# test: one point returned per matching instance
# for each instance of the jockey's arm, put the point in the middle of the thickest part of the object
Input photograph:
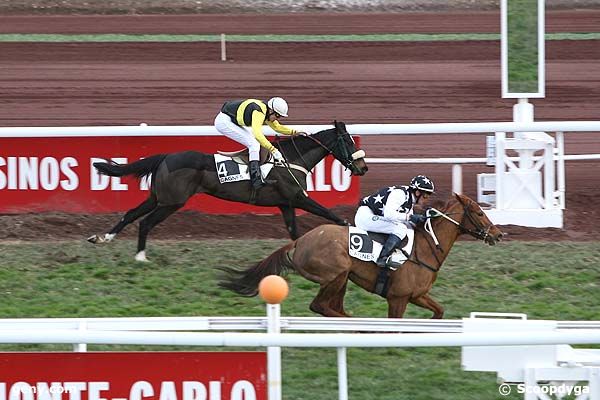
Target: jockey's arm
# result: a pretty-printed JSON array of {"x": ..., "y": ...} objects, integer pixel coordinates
[
  {"x": 391, "y": 210},
  {"x": 257, "y": 123},
  {"x": 277, "y": 127}
]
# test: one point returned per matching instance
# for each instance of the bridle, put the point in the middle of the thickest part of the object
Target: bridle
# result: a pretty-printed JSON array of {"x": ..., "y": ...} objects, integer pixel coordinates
[
  {"x": 479, "y": 232},
  {"x": 346, "y": 159}
]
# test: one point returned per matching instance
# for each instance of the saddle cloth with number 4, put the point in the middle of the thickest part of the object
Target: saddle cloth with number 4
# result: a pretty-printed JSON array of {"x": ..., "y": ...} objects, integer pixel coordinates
[
  {"x": 366, "y": 246},
  {"x": 229, "y": 169}
]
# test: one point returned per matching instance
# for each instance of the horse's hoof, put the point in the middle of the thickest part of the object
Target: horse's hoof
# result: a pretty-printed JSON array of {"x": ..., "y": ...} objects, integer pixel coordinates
[
  {"x": 141, "y": 257},
  {"x": 95, "y": 239}
]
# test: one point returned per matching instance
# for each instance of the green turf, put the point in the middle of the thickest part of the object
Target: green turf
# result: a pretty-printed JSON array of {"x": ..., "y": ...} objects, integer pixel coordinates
[
  {"x": 400, "y": 37},
  {"x": 68, "y": 279}
]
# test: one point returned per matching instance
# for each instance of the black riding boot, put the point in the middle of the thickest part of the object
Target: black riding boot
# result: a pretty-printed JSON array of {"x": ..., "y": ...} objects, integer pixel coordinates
[
  {"x": 389, "y": 246},
  {"x": 256, "y": 177}
]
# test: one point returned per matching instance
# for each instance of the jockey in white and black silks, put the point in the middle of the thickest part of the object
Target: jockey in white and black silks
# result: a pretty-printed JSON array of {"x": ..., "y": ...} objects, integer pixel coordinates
[
  {"x": 242, "y": 121},
  {"x": 390, "y": 210}
]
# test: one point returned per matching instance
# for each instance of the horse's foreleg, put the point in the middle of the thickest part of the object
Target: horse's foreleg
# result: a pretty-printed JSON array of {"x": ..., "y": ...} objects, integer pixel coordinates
[
  {"x": 397, "y": 306},
  {"x": 308, "y": 204},
  {"x": 429, "y": 303},
  {"x": 154, "y": 218},
  {"x": 289, "y": 217},
  {"x": 144, "y": 208}
]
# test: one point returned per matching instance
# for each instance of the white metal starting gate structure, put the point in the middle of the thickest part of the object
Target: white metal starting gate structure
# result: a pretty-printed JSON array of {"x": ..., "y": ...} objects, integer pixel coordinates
[
  {"x": 530, "y": 191},
  {"x": 534, "y": 356}
]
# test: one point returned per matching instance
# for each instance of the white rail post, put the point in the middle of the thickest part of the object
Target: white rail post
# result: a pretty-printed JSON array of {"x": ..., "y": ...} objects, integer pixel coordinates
[
  {"x": 81, "y": 347},
  {"x": 223, "y": 48},
  {"x": 499, "y": 169},
  {"x": 549, "y": 176},
  {"x": 342, "y": 373},
  {"x": 560, "y": 168},
  {"x": 274, "y": 353},
  {"x": 457, "y": 178}
]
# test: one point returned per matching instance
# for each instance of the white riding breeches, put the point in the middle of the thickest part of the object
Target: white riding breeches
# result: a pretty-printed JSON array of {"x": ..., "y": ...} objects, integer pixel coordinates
[
  {"x": 225, "y": 125},
  {"x": 366, "y": 220}
]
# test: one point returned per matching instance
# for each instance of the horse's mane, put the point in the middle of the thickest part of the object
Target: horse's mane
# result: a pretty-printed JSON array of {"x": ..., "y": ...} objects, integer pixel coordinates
[
  {"x": 303, "y": 143},
  {"x": 440, "y": 200}
]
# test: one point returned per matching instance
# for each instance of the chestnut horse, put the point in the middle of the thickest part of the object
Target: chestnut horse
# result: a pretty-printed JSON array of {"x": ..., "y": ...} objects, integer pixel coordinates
[{"x": 321, "y": 256}]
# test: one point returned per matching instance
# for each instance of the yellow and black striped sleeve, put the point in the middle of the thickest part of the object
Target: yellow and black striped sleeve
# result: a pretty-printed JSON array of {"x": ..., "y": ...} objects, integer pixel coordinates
[
  {"x": 258, "y": 120},
  {"x": 277, "y": 127}
]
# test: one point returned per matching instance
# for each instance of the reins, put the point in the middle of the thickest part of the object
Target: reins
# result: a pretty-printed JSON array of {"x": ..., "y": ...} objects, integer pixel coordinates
[
  {"x": 478, "y": 233},
  {"x": 348, "y": 159}
]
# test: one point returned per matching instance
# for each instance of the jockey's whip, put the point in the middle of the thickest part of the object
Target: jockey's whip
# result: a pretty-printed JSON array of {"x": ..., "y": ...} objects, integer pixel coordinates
[{"x": 287, "y": 166}]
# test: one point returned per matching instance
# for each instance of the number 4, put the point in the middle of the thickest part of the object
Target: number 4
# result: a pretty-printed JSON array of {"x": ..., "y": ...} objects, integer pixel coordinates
[{"x": 222, "y": 170}]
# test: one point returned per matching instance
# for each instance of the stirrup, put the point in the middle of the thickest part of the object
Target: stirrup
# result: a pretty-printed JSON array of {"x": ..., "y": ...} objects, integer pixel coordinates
[
  {"x": 388, "y": 264},
  {"x": 257, "y": 185}
]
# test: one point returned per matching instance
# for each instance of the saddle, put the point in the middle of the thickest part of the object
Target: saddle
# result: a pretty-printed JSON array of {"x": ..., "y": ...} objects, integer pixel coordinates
[{"x": 243, "y": 156}]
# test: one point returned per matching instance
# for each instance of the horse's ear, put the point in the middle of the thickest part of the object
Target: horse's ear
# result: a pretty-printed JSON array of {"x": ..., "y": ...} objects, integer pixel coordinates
[
  {"x": 339, "y": 125},
  {"x": 459, "y": 198}
]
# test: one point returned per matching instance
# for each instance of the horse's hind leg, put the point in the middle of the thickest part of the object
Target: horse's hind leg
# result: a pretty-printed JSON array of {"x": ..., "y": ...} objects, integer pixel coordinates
[
  {"x": 330, "y": 299},
  {"x": 158, "y": 215},
  {"x": 426, "y": 301},
  {"x": 144, "y": 208},
  {"x": 289, "y": 217}
]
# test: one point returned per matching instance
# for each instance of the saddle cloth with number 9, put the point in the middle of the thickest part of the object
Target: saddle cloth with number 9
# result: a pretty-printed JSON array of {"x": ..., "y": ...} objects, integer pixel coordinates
[{"x": 366, "y": 246}]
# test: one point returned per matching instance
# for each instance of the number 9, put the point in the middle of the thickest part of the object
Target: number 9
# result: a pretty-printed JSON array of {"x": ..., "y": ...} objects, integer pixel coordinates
[{"x": 356, "y": 242}]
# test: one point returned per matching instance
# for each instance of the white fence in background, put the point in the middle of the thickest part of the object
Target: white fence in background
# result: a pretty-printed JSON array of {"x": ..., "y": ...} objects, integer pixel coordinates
[
  {"x": 354, "y": 129},
  {"x": 538, "y": 349},
  {"x": 526, "y": 190}
]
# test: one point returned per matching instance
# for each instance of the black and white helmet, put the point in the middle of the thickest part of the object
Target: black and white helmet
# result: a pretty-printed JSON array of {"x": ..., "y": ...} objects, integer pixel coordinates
[{"x": 422, "y": 183}]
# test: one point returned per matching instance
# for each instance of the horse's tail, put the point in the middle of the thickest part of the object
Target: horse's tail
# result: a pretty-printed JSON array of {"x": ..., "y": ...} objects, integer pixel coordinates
[
  {"x": 245, "y": 282},
  {"x": 140, "y": 168}
]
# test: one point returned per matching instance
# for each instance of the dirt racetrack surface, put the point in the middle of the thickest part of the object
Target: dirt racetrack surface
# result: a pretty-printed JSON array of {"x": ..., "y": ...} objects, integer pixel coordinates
[{"x": 75, "y": 84}]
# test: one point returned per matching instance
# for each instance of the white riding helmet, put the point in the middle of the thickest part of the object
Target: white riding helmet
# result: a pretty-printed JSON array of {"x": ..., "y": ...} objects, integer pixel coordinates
[{"x": 278, "y": 105}]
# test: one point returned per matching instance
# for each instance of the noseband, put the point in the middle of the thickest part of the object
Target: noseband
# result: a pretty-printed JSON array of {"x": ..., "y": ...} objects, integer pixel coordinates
[{"x": 478, "y": 232}]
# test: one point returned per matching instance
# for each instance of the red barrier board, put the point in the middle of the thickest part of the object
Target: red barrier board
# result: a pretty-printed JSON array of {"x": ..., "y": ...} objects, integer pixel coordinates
[
  {"x": 134, "y": 376},
  {"x": 56, "y": 174}
]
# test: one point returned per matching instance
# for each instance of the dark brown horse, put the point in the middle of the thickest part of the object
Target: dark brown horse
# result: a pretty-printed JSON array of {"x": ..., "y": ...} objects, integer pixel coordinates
[
  {"x": 178, "y": 176},
  {"x": 321, "y": 256}
]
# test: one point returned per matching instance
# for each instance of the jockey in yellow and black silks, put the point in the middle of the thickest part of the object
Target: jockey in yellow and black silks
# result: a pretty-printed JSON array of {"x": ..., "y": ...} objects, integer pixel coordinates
[{"x": 242, "y": 121}]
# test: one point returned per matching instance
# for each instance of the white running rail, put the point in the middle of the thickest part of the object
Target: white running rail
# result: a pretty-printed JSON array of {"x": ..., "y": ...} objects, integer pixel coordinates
[{"x": 190, "y": 331}]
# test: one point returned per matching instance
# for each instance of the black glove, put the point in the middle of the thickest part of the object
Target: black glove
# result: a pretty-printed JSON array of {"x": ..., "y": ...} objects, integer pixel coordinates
[{"x": 417, "y": 219}]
